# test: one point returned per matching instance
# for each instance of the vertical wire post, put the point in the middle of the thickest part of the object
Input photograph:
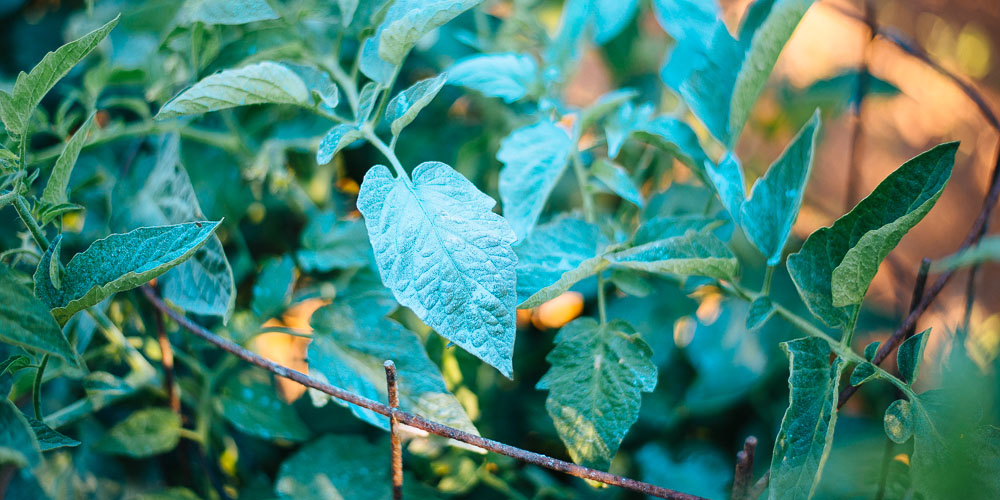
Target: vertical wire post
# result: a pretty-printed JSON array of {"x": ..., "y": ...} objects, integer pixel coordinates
[
  {"x": 397, "y": 448},
  {"x": 743, "y": 476}
]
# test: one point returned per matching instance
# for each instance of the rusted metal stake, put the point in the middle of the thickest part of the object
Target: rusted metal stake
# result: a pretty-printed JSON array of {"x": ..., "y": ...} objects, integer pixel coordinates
[
  {"x": 744, "y": 469},
  {"x": 397, "y": 448}
]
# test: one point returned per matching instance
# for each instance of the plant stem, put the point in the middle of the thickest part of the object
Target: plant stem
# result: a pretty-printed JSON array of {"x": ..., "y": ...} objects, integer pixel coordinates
[
  {"x": 601, "y": 309},
  {"x": 581, "y": 176},
  {"x": 36, "y": 231},
  {"x": 387, "y": 152},
  {"x": 765, "y": 288},
  {"x": 36, "y": 388},
  {"x": 7, "y": 197}
]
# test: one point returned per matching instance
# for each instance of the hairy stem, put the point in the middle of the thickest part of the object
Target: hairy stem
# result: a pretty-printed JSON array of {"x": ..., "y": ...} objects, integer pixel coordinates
[
  {"x": 387, "y": 152},
  {"x": 29, "y": 221},
  {"x": 36, "y": 387}
]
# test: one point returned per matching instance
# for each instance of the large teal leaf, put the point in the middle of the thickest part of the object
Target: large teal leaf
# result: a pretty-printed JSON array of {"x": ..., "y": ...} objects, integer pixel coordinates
[
  {"x": 403, "y": 108},
  {"x": 224, "y": 12},
  {"x": 768, "y": 214},
  {"x": 509, "y": 76},
  {"x": 26, "y": 321},
  {"x": 329, "y": 243},
  {"x": 405, "y": 22},
  {"x": 18, "y": 446},
  {"x": 833, "y": 269},
  {"x": 54, "y": 196},
  {"x": 204, "y": 283},
  {"x": 114, "y": 264},
  {"x": 693, "y": 20},
  {"x": 249, "y": 402},
  {"x": 534, "y": 158},
  {"x": 145, "y": 433},
  {"x": 553, "y": 249},
  {"x": 595, "y": 383},
  {"x": 263, "y": 82},
  {"x": 445, "y": 255},
  {"x": 803, "y": 443},
  {"x": 353, "y": 339},
  {"x": 29, "y": 89}
]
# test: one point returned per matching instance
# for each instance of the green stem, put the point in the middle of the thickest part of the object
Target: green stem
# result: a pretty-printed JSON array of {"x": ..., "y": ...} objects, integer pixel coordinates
[
  {"x": 765, "y": 289},
  {"x": 36, "y": 388},
  {"x": 346, "y": 82},
  {"x": 384, "y": 99},
  {"x": 387, "y": 152},
  {"x": 36, "y": 231},
  {"x": 7, "y": 198},
  {"x": 218, "y": 139},
  {"x": 601, "y": 309},
  {"x": 581, "y": 176}
]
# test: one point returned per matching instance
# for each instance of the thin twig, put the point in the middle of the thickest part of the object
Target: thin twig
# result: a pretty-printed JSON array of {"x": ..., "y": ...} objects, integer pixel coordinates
[
  {"x": 397, "y": 448},
  {"x": 167, "y": 359},
  {"x": 411, "y": 419},
  {"x": 744, "y": 469},
  {"x": 857, "y": 107}
]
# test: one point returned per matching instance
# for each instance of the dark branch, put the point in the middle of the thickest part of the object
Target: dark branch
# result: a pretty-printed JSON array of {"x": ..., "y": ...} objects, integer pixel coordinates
[
  {"x": 744, "y": 469},
  {"x": 397, "y": 447}
]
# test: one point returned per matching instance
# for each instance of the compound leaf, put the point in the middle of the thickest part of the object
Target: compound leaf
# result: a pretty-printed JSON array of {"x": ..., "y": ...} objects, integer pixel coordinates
[
  {"x": 54, "y": 194},
  {"x": 508, "y": 76},
  {"x": 260, "y": 83},
  {"x": 145, "y": 433},
  {"x": 534, "y": 158},
  {"x": 117, "y": 263},
  {"x": 224, "y": 12},
  {"x": 595, "y": 383},
  {"x": 403, "y": 108},
  {"x": 768, "y": 214},
  {"x": 806, "y": 434},
  {"x": 833, "y": 269},
  {"x": 444, "y": 254},
  {"x": 29, "y": 89},
  {"x": 26, "y": 321}
]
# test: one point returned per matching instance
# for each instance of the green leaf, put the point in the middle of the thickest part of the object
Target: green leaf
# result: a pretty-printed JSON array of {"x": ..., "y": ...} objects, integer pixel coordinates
[
  {"x": 687, "y": 19},
  {"x": 629, "y": 118},
  {"x": 204, "y": 283},
  {"x": 595, "y": 383},
  {"x": 352, "y": 341},
  {"x": 55, "y": 190},
  {"x": 617, "y": 179},
  {"x": 695, "y": 253},
  {"x": 509, "y": 76},
  {"x": 250, "y": 403},
  {"x": 273, "y": 289},
  {"x": 558, "y": 254},
  {"x": 909, "y": 355},
  {"x": 18, "y": 446},
  {"x": 761, "y": 309},
  {"x": 833, "y": 269},
  {"x": 863, "y": 373},
  {"x": 729, "y": 183},
  {"x": 26, "y": 321},
  {"x": 338, "y": 467},
  {"x": 318, "y": 82},
  {"x": 668, "y": 226},
  {"x": 899, "y": 421},
  {"x": 264, "y": 82},
  {"x": 176, "y": 493},
  {"x": 403, "y": 108},
  {"x": 987, "y": 250},
  {"x": 224, "y": 12},
  {"x": 534, "y": 158},
  {"x": 871, "y": 349},
  {"x": 17, "y": 107},
  {"x": 405, "y": 22},
  {"x": 339, "y": 137},
  {"x": 48, "y": 438},
  {"x": 445, "y": 255},
  {"x": 768, "y": 214},
  {"x": 347, "y": 9},
  {"x": 676, "y": 137},
  {"x": 608, "y": 102},
  {"x": 366, "y": 102},
  {"x": 804, "y": 441},
  {"x": 329, "y": 243},
  {"x": 117, "y": 263},
  {"x": 14, "y": 364},
  {"x": 143, "y": 434}
]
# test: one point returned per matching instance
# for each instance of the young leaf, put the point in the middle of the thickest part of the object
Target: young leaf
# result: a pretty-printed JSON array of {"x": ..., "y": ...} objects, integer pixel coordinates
[
  {"x": 595, "y": 383},
  {"x": 871, "y": 349},
  {"x": 863, "y": 373},
  {"x": 629, "y": 118},
  {"x": 14, "y": 364},
  {"x": 534, "y": 158},
  {"x": 405, "y": 22},
  {"x": 833, "y": 269},
  {"x": 909, "y": 355},
  {"x": 248, "y": 402},
  {"x": 509, "y": 76},
  {"x": 899, "y": 421},
  {"x": 273, "y": 288},
  {"x": 403, "y": 108},
  {"x": 318, "y": 82},
  {"x": 224, "y": 12},
  {"x": 204, "y": 283},
  {"x": 339, "y": 137},
  {"x": 26, "y": 322},
  {"x": 29, "y": 89},
  {"x": 761, "y": 309},
  {"x": 145, "y": 433},
  {"x": 617, "y": 179},
  {"x": 676, "y": 137},
  {"x": 605, "y": 104},
  {"x": 366, "y": 102},
  {"x": 768, "y": 214},
  {"x": 264, "y": 82},
  {"x": 730, "y": 184},
  {"x": 54, "y": 194},
  {"x": 551, "y": 256},
  {"x": 329, "y": 243},
  {"x": 695, "y": 253},
  {"x": 18, "y": 446},
  {"x": 352, "y": 341},
  {"x": 445, "y": 255},
  {"x": 117, "y": 263},
  {"x": 803, "y": 443},
  {"x": 48, "y": 438}
]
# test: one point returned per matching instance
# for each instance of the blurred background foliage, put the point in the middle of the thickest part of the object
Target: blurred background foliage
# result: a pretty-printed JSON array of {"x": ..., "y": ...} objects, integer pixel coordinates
[{"x": 255, "y": 167}]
